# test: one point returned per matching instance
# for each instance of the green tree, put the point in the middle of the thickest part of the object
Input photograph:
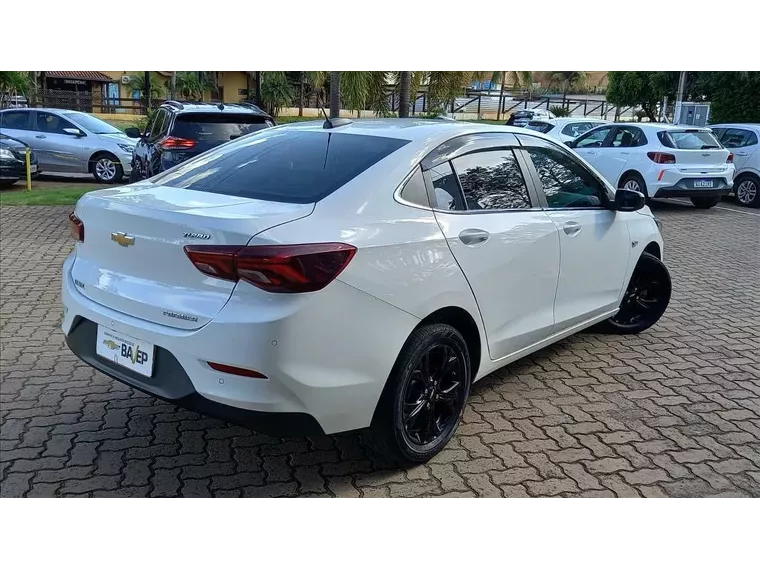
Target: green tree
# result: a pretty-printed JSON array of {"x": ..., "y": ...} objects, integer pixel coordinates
[
  {"x": 630, "y": 88},
  {"x": 568, "y": 80},
  {"x": 276, "y": 91},
  {"x": 734, "y": 95},
  {"x": 15, "y": 83},
  {"x": 157, "y": 86}
]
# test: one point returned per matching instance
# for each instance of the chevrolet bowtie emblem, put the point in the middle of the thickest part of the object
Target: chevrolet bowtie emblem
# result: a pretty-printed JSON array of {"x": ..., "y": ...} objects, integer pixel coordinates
[{"x": 122, "y": 239}]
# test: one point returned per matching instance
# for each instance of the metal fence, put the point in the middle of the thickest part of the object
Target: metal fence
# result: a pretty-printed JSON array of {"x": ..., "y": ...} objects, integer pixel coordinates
[{"x": 488, "y": 104}]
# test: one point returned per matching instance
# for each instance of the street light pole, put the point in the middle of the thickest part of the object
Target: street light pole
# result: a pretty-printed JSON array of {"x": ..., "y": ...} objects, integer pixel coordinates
[{"x": 679, "y": 97}]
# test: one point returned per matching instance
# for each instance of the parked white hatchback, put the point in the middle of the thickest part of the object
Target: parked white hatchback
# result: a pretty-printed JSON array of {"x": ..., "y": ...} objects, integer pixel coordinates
[
  {"x": 742, "y": 140},
  {"x": 660, "y": 160},
  {"x": 566, "y": 128},
  {"x": 317, "y": 279}
]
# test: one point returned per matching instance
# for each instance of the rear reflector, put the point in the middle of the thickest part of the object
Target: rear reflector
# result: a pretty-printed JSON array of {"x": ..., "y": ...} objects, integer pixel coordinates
[
  {"x": 76, "y": 227},
  {"x": 274, "y": 268},
  {"x": 730, "y": 159},
  {"x": 175, "y": 143},
  {"x": 662, "y": 173},
  {"x": 661, "y": 157},
  {"x": 236, "y": 370}
]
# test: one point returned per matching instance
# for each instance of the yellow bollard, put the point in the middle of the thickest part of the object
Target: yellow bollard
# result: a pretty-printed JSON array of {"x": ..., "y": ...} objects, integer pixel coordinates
[{"x": 28, "y": 169}]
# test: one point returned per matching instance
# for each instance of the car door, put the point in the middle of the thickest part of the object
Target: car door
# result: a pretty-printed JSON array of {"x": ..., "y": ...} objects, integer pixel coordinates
[
  {"x": 57, "y": 150},
  {"x": 590, "y": 144},
  {"x": 594, "y": 240},
  {"x": 17, "y": 124},
  {"x": 505, "y": 244},
  {"x": 617, "y": 150},
  {"x": 742, "y": 142}
]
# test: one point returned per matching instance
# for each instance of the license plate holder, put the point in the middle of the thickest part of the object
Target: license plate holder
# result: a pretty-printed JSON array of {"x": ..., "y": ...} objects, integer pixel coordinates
[
  {"x": 704, "y": 183},
  {"x": 125, "y": 351},
  {"x": 33, "y": 168}
]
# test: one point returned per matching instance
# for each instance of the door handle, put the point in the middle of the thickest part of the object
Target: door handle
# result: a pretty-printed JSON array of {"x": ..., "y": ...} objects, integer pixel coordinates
[
  {"x": 740, "y": 153},
  {"x": 474, "y": 236},
  {"x": 40, "y": 136},
  {"x": 572, "y": 228},
  {"x": 590, "y": 153}
]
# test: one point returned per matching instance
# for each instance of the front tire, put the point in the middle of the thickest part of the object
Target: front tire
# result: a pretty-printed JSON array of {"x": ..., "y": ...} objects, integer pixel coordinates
[
  {"x": 8, "y": 183},
  {"x": 645, "y": 300},
  {"x": 106, "y": 169},
  {"x": 748, "y": 190},
  {"x": 425, "y": 396},
  {"x": 705, "y": 203}
]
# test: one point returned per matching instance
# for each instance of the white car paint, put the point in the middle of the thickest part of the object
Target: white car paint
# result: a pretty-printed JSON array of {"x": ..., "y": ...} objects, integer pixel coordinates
[
  {"x": 565, "y": 129},
  {"x": 329, "y": 353},
  {"x": 742, "y": 139},
  {"x": 616, "y": 163}
]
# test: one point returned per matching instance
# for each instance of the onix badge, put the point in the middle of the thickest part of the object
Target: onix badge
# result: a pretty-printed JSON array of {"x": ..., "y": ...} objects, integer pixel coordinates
[{"x": 123, "y": 239}]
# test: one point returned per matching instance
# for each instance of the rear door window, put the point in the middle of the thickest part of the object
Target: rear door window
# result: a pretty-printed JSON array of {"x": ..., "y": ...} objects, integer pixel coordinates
[
  {"x": 217, "y": 127},
  {"x": 738, "y": 138},
  {"x": 295, "y": 166},
  {"x": 492, "y": 180},
  {"x": 18, "y": 120}
]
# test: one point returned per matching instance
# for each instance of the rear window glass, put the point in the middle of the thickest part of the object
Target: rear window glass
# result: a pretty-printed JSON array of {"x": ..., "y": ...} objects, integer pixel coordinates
[
  {"x": 217, "y": 126},
  {"x": 539, "y": 126},
  {"x": 688, "y": 140},
  {"x": 296, "y": 166},
  {"x": 524, "y": 114}
]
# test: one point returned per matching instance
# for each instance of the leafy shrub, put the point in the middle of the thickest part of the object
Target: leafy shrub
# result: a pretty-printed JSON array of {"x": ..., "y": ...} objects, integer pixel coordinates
[{"x": 560, "y": 111}]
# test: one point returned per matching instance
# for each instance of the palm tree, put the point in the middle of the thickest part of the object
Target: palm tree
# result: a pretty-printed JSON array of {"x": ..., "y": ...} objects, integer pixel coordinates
[
  {"x": 12, "y": 82},
  {"x": 405, "y": 86},
  {"x": 567, "y": 79},
  {"x": 334, "y": 94}
]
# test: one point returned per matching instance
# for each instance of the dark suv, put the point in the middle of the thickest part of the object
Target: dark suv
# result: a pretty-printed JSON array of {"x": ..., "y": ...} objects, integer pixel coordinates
[{"x": 180, "y": 130}]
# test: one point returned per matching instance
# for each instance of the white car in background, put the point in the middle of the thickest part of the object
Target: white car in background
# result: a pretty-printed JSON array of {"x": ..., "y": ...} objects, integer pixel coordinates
[
  {"x": 316, "y": 279},
  {"x": 660, "y": 160},
  {"x": 742, "y": 140},
  {"x": 565, "y": 129},
  {"x": 522, "y": 117}
]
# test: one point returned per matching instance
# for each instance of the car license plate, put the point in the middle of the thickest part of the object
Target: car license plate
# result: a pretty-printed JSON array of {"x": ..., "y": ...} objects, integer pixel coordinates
[
  {"x": 703, "y": 183},
  {"x": 125, "y": 351},
  {"x": 33, "y": 168}
]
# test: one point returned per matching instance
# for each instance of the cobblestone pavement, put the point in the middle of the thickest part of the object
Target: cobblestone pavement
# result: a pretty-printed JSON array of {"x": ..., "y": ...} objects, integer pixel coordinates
[{"x": 674, "y": 411}]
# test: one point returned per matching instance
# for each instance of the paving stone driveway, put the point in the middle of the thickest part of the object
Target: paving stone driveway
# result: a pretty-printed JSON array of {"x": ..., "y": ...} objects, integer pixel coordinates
[{"x": 672, "y": 412}]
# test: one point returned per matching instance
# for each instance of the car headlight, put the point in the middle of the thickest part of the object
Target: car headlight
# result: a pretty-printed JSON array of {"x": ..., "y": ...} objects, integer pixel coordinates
[
  {"x": 127, "y": 148},
  {"x": 5, "y": 153}
]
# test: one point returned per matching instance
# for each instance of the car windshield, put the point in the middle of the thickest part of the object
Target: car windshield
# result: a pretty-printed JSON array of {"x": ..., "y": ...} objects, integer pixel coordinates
[
  {"x": 689, "y": 140},
  {"x": 217, "y": 126},
  {"x": 94, "y": 125},
  {"x": 294, "y": 166}
]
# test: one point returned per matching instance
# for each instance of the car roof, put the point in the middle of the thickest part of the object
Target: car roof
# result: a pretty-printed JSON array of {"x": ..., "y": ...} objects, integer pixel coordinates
[
  {"x": 563, "y": 120},
  {"x": 427, "y": 132},
  {"x": 221, "y": 108}
]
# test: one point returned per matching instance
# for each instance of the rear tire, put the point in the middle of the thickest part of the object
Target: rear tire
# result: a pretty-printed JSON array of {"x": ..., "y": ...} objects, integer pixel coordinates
[
  {"x": 134, "y": 175},
  {"x": 705, "y": 203},
  {"x": 634, "y": 181},
  {"x": 645, "y": 299},
  {"x": 425, "y": 395},
  {"x": 747, "y": 189}
]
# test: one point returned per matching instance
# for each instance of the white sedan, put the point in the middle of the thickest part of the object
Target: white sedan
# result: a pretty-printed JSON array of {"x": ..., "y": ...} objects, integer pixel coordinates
[
  {"x": 566, "y": 128},
  {"x": 660, "y": 160},
  {"x": 308, "y": 279},
  {"x": 742, "y": 140}
]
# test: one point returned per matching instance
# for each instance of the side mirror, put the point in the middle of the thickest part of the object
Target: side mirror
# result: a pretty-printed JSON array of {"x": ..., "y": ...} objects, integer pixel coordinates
[
  {"x": 73, "y": 131},
  {"x": 133, "y": 132},
  {"x": 629, "y": 200},
  {"x": 570, "y": 144}
]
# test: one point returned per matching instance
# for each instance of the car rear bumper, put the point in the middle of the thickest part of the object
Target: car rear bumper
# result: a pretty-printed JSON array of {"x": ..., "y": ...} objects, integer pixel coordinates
[
  {"x": 326, "y": 360},
  {"x": 691, "y": 193}
]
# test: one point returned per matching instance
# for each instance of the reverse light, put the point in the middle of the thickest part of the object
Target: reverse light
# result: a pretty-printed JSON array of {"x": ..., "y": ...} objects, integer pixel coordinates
[
  {"x": 77, "y": 228},
  {"x": 661, "y": 157},
  {"x": 176, "y": 143},
  {"x": 274, "y": 268},
  {"x": 730, "y": 159}
]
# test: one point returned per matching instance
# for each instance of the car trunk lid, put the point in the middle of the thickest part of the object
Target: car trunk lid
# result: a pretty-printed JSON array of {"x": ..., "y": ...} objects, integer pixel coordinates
[{"x": 133, "y": 261}]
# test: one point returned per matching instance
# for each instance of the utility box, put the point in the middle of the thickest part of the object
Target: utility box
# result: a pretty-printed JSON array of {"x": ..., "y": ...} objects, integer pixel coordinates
[{"x": 692, "y": 114}]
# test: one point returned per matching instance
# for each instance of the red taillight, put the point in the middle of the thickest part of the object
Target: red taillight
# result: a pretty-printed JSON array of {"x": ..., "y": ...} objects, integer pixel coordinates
[
  {"x": 274, "y": 268},
  {"x": 175, "y": 143},
  {"x": 236, "y": 370},
  {"x": 730, "y": 159},
  {"x": 76, "y": 227},
  {"x": 661, "y": 157}
]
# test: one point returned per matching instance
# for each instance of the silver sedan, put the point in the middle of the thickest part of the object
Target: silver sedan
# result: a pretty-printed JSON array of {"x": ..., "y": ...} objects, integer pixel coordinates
[{"x": 71, "y": 142}]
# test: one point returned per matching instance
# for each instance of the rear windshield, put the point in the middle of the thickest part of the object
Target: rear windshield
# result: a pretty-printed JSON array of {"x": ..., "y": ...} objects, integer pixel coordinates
[
  {"x": 689, "y": 139},
  {"x": 217, "y": 127},
  {"x": 524, "y": 115},
  {"x": 295, "y": 166},
  {"x": 539, "y": 126}
]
